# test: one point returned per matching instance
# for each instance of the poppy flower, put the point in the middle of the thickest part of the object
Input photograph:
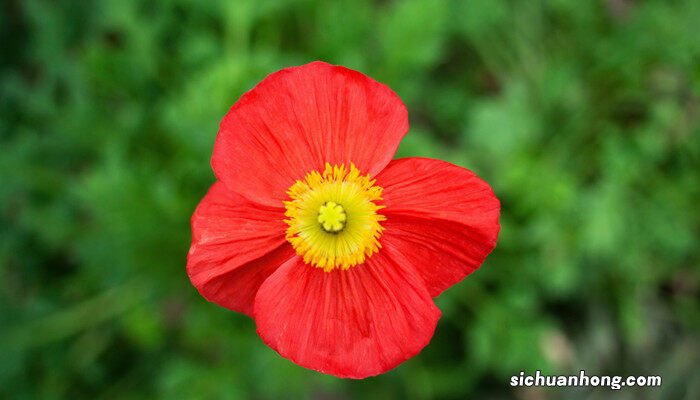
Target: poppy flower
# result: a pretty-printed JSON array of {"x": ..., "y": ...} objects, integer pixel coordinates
[{"x": 333, "y": 248}]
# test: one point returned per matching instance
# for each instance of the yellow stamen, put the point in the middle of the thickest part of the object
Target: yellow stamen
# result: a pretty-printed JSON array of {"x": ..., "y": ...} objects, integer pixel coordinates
[{"x": 332, "y": 217}]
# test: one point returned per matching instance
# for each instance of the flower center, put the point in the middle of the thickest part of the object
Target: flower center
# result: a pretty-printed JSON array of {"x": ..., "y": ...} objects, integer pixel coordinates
[{"x": 332, "y": 217}]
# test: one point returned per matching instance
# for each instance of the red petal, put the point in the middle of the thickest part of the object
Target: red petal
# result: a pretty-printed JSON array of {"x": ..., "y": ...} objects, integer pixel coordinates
[
  {"x": 236, "y": 245},
  {"x": 441, "y": 216},
  {"x": 351, "y": 324},
  {"x": 299, "y": 118}
]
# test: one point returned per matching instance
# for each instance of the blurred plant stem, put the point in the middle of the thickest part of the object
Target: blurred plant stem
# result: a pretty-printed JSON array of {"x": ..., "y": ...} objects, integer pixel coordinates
[{"x": 70, "y": 321}]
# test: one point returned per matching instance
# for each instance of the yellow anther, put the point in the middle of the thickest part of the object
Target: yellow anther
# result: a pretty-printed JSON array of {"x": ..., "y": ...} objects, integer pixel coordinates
[{"x": 333, "y": 217}]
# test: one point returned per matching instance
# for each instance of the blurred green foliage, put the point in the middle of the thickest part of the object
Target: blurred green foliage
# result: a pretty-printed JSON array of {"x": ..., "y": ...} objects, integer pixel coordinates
[{"x": 583, "y": 115}]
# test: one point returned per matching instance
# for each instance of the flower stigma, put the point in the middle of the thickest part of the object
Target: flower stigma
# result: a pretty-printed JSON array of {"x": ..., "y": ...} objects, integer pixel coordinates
[{"x": 332, "y": 217}]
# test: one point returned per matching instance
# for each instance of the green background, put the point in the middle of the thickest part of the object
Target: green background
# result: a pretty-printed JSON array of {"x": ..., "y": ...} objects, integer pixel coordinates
[{"x": 582, "y": 115}]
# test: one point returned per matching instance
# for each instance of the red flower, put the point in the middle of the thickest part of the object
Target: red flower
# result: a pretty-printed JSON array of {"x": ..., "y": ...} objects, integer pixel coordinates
[{"x": 335, "y": 249}]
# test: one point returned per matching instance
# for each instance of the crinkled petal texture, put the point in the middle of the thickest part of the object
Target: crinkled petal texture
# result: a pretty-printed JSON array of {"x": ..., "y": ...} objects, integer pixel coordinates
[
  {"x": 442, "y": 217},
  {"x": 300, "y": 118},
  {"x": 236, "y": 245},
  {"x": 441, "y": 223},
  {"x": 353, "y": 324}
]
